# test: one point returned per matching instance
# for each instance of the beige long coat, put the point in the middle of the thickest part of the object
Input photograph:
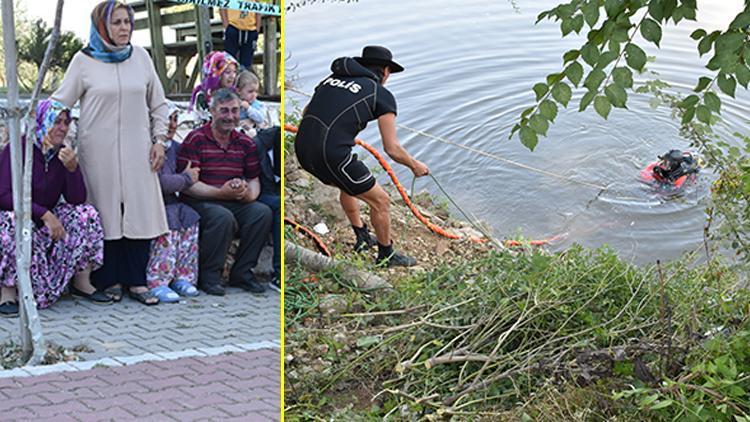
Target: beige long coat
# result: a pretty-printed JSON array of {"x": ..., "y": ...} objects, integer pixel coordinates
[{"x": 123, "y": 108}]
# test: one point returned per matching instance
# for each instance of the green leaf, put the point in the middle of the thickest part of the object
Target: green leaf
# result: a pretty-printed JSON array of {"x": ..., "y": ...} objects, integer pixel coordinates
[
  {"x": 727, "y": 84},
  {"x": 605, "y": 59},
  {"x": 614, "y": 47},
  {"x": 703, "y": 113},
  {"x": 712, "y": 101},
  {"x": 616, "y": 95},
  {"x": 367, "y": 341},
  {"x": 614, "y": 7},
  {"x": 668, "y": 7},
  {"x": 677, "y": 15},
  {"x": 539, "y": 124},
  {"x": 702, "y": 84},
  {"x": 704, "y": 46},
  {"x": 595, "y": 37},
  {"x": 562, "y": 93},
  {"x": 688, "y": 115},
  {"x": 591, "y": 12},
  {"x": 635, "y": 57},
  {"x": 662, "y": 404},
  {"x": 587, "y": 98},
  {"x": 565, "y": 10},
  {"x": 623, "y": 77},
  {"x": 566, "y": 26},
  {"x": 743, "y": 75},
  {"x": 590, "y": 54},
  {"x": 697, "y": 34},
  {"x": 651, "y": 31},
  {"x": 621, "y": 33},
  {"x": 548, "y": 109},
  {"x": 602, "y": 105},
  {"x": 687, "y": 12},
  {"x": 516, "y": 128},
  {"x": 541, "y": 16},
  {"x": 529, "y": 138},
  {"x": 594, "y": 79},
  {"x": 526, "y": 112},
  {"x": 648, "y": 400},
  {"x": 571, "y": 55},
  {"x": 741, "y": 21},
  {"x": 689, "y": 101},
  {"x": 714, "y": 63},
  {"x": 656, "y": 10},
  {"x": 578, "y": 23},
  {"x": 554, "y": 78},
  {"x": 540, "y": 89},
  {"x": 574, "y": 72},
  {"x": 729, "y": 43}
]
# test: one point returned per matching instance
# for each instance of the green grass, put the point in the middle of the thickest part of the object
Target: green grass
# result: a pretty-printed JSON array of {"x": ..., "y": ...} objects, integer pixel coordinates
[{"x": 503, "y": 335}]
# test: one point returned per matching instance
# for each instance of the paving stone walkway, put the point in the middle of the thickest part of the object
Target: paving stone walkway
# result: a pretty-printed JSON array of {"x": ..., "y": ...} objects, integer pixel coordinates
[
  {"x": 206, "y": 358},
  {"x": 238, "y": 386}
]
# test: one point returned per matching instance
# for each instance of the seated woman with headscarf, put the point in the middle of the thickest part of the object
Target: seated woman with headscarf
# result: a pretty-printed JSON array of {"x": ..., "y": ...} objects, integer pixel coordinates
[
  {"x": 219, "y": 71},
  {"x": 67, "y": 239}
]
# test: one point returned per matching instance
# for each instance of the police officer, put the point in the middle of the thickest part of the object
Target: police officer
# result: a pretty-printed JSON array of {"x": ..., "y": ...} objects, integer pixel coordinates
[{"x": 342, "y": 105}]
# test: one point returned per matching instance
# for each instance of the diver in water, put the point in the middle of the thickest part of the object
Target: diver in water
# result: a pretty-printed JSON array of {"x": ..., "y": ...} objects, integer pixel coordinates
[
  {"x": 673, "y": 165},
  {"x": 672, "y": 170}
]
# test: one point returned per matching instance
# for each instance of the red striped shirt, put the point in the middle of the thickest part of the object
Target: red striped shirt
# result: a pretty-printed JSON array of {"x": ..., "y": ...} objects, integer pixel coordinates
[{"x": 218, "y": 164}]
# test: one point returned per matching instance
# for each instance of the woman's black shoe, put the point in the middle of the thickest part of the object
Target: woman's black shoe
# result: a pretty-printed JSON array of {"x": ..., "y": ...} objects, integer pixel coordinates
[
  {"x": 9, "y": 309},
  {"x": 98, "y": 297}
]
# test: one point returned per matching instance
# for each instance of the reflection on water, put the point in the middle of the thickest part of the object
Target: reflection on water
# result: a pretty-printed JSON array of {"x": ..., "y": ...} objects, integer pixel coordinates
[{"x": 469, "y": 73}]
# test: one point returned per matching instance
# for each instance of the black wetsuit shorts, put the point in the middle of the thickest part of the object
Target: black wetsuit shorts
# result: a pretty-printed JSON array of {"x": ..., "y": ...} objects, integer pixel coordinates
[{"x": 341, "y": 107}]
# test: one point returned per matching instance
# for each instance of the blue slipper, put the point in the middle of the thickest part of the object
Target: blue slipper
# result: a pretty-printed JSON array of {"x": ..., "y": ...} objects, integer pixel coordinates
[
  {"x": 165, "y": 294},
  {"x": 184, "y": 288}
]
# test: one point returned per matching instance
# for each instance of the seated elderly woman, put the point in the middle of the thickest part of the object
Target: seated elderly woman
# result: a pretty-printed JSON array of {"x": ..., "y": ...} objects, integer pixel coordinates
[{"x": 67, "y": 239}]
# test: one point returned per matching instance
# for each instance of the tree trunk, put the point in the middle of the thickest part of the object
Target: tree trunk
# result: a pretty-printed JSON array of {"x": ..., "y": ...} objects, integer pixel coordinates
[
  {"x": 317, "y": 262},
  {"x": 32, "y": 339}
]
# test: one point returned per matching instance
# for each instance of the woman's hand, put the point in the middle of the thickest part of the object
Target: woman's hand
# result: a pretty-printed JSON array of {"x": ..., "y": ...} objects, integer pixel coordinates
[
  {"x": 53, "y": 224},
  {"x": 156, "y": 157},
  {"x": 68, "y": 157}
]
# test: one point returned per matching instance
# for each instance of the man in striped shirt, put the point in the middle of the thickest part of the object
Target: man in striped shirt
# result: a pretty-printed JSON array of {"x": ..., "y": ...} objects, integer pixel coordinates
[{"x": 225, "y": 196}]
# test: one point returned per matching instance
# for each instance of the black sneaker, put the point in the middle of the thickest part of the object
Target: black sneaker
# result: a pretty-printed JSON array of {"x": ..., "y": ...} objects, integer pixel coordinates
[
  {"x": 215, "y": 289},
  {"x": 9, "y": 309},
  {"x": 396, "y": 259},
  {"x": 365, "y": 239},
  {"x": 251, "y": 285},
  {"x": 275, "y": 283}
]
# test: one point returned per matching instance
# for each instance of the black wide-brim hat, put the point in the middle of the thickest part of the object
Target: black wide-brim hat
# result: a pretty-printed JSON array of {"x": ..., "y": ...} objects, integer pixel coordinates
[{"x": 377, "y": 55}]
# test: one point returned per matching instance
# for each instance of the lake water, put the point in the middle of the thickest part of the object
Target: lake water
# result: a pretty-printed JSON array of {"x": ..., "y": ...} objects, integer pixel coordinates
[{"x": 470, "y": 66}]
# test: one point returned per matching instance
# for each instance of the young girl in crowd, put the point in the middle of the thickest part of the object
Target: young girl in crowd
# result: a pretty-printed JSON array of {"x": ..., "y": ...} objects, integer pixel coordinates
[
  {"x": 253, "y": 114},
  {"x": 219, "y": 71},
  {"x": 173, "y": 264},
  {"x": 67, "y": 239}
]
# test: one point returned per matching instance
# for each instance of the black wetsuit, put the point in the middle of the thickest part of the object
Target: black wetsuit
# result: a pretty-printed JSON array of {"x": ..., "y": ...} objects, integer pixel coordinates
[{"x": 342, "y": 105}]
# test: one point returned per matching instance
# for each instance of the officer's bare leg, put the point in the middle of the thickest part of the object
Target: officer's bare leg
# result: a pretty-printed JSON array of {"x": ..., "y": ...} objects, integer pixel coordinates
[{"x": 380, "y": 217}]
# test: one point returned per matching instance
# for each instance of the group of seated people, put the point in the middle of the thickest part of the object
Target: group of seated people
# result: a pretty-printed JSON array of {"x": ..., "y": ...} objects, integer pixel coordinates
[{"x": 221, "y": 182}]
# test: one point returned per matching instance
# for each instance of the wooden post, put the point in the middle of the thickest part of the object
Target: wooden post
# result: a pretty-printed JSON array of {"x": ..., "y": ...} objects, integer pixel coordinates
[
  {"x": 270, "y": 54},
  {"x": 157, "y": 42},
  {"x": 32, "y": 340},
  {"x": 203, "y": 31}
]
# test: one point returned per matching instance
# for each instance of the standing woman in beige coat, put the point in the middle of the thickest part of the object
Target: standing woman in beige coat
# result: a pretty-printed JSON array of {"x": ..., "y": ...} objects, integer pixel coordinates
[{"x": 122, "y": 129}]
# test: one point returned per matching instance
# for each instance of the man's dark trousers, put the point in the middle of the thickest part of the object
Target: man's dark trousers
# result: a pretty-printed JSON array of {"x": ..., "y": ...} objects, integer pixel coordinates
[{"x": 220, "y": 220}]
